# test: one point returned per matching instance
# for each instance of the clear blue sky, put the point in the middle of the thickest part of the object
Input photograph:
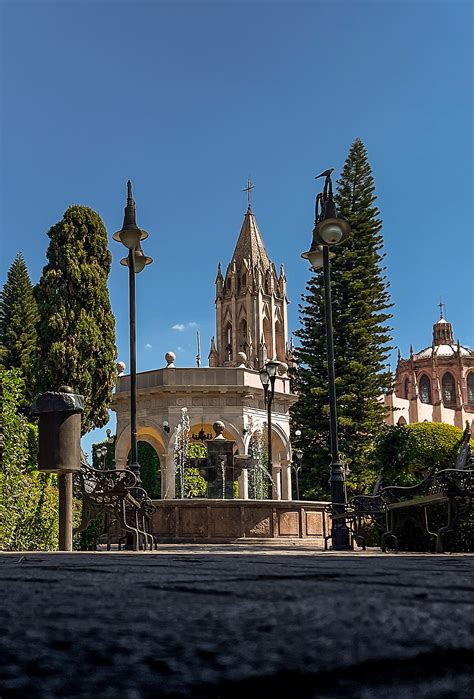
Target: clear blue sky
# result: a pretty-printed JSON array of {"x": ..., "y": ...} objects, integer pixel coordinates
[{"x": 187, "y": 98}]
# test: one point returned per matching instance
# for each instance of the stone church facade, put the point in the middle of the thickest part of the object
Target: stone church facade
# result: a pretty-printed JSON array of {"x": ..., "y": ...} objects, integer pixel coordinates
[
  {"x": 435, "y": 384},
  {"x": 251, "y": 327}
]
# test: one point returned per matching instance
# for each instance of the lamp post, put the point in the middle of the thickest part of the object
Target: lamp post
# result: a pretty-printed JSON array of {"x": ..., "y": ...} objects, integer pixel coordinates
[
  {"x": 267, "y": 377},
  {"x": 131, "y": 236},
  {"x": 329, "y": 230},
  {"x": 297, "y": 468}
]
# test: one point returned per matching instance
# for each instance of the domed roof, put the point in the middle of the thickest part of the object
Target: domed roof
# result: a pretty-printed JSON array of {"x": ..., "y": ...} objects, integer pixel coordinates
[
  {"x": 443, "y": 351},
  {"x": 443, "y": 344}
]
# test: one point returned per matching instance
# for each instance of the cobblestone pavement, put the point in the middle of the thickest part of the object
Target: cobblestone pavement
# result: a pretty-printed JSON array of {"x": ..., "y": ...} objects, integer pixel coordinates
[{"x": 220, "y": 622}]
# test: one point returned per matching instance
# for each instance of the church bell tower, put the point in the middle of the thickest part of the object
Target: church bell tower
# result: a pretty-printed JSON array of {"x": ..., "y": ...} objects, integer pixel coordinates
[{"x": 251, "y": 304}]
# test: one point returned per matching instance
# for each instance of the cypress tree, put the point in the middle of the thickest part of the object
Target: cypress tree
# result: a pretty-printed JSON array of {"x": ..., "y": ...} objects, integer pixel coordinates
[
  {"x": 77, "y": 328},
  {"x": 18, "y": 327},
  {"x": 360, "y": 304}
]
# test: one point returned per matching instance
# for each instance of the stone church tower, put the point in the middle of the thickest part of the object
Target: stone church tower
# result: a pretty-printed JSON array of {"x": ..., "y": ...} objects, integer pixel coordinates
[{"x": 251, "y": 305}]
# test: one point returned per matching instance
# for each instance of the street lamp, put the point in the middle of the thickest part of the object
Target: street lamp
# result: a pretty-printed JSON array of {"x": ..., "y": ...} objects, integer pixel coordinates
[
  {"x": 267, "y": 377},
  {"x": 131, "y": 236},
  {"x": 329, "y": 229},
  {"x": 297, "y": 468}
]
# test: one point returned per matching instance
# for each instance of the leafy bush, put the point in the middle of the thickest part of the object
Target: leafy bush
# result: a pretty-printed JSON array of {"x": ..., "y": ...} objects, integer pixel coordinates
[
  {"x": 409, "y": 453},
  {"x": 28, "y": 499}
]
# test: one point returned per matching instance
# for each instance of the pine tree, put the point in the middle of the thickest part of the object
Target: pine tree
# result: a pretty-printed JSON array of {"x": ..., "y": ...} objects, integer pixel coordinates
[
  {"x": 18, "y": 327},
  {"x": 360, "y": 304},
  {"x": 77, "y": 328}
]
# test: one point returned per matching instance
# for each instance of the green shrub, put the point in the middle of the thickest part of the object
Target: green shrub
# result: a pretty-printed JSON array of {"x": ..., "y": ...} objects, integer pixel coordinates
[
  {"x": 409, "y": 453},
  {"x": 28, "y": 499}
]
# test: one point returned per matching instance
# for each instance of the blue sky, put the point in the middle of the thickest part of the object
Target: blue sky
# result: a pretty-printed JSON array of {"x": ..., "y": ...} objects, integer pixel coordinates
[{"x": 187, "y": 99}]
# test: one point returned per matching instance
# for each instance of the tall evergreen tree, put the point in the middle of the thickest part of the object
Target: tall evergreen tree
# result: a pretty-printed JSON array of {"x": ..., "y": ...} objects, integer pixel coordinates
[
  {"x": 361, "y": 304},
  {"x": 19, "y": 326},
  {"x": 77, "y": 328}
]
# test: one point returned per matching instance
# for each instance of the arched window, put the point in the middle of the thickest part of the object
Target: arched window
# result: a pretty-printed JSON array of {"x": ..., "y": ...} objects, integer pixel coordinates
[
  {"x": 448, "y": 389},
  {"x": 243, "y": 345},
  {"x": 401, "y": 421},
  {"x": 425, "y": 389},
  {"x": 243, "y": 282},
  {"x": 406, "y": 388},
  {"x": 228, "y": 342},
  {"x": 470, "y": 388}
]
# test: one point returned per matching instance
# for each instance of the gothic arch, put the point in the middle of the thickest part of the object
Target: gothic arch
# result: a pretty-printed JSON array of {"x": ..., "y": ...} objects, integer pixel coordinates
[
  {"x": 448, "y": 389},
  {"x": 267, "y": 336},
  {"x": 280, "y": 341},
  {"x": 470, "y": 388},
  {"x": 424, "y": 389}
]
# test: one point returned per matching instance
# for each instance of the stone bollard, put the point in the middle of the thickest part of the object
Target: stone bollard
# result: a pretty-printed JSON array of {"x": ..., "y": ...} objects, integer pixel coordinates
[{"x": 59, "y": 450}]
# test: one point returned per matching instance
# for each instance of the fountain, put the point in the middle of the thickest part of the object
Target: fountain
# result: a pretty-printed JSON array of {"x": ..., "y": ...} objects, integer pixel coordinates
[{"x": 221, "y": 516}]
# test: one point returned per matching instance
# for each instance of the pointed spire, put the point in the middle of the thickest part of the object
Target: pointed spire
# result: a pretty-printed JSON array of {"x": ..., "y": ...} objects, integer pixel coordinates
[
  {"x": 212, "y": 356},
  {"x": 250, "y": 245},
  {"x": 399, "y": 354},
  {"x": 411, "y": 350}
]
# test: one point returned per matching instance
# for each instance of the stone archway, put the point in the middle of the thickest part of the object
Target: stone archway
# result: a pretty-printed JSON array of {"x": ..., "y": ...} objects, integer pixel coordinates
[{"x": 153, "y": 436}]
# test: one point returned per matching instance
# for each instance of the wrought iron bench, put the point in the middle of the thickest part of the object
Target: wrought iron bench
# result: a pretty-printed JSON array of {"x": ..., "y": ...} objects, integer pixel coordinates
[
  {"x": 116, "y": 495},
  {"x": 393, "y": 506}
]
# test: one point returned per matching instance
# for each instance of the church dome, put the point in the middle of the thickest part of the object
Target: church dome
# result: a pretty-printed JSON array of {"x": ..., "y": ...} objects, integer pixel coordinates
[
  {"x": 443, "y": 343},
  {"x": 443, "y": 351}
]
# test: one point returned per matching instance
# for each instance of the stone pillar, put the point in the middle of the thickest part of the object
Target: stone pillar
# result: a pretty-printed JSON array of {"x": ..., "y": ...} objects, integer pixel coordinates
[
  {"x": 286, "y": 480},
  {"x": 244, "y": 484},
  {"x": 276, "y": 486},
  {"x": 168, "y": 476},
  {"x": 120, "y": 463}
]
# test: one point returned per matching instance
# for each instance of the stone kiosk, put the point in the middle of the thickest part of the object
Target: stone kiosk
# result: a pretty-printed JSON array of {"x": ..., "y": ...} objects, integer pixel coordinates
[{"x": 251, "y": 328}]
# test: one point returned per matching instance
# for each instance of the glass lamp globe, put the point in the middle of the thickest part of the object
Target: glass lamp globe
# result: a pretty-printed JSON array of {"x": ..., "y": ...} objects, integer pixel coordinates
[
  {"x": 264, "y": 376},
  {"x": 272, "y": 368},
  {"x": 331, "y": 234}
]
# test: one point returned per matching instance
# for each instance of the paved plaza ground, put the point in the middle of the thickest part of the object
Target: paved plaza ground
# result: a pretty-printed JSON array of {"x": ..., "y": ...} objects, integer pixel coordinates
[{"x": 236, "y": 621}]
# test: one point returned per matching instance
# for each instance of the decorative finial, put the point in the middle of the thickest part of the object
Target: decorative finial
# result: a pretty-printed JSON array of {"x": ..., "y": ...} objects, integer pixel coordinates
[
  {"x": 129, "y": 216},
  {"x": 248, "y": 189},
  {"x": 442, "y": 308}
]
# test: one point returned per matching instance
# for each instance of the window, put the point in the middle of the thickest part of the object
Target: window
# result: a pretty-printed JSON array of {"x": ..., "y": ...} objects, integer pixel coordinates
[
  {"x": 228, "y": 338},
  {"x": 401, "y": 421},
  {"x": 470, "y": 388},
  {"x": 448, "y": 389},
  {"x": 425, "y": 389},
  {"x": 406, "y": 388}
]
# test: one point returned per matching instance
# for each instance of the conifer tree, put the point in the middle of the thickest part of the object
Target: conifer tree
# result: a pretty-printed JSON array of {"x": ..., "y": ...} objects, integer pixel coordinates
[
  {"x": 77, "y": 328},
  {"x": 360, "y": 304},
  {"x": 18, "y": 327}
]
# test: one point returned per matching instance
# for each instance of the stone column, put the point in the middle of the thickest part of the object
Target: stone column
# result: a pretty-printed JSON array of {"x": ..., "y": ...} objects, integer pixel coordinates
[
  {"x": 276, "y": 486},
  {"x": 244, "y": 484},
  {"x": 120, "y": 463},
  {"x": 168, "y": 476},
  {"x": 286, "y": 480}
]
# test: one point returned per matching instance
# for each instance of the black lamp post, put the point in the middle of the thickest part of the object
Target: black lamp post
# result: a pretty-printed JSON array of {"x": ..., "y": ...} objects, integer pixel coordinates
[
  {"x": 297, "y": 462},
  {"x": 131, "y": 236},
  {"x": 267, "y": 377},
  {"x": 330, "y": 230}
]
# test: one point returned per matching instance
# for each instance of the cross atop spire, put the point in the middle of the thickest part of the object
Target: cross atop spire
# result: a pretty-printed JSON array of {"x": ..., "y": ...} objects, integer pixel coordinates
[
  {"x": 248, "y": 189},
  {"x": 442, "y": 308}
]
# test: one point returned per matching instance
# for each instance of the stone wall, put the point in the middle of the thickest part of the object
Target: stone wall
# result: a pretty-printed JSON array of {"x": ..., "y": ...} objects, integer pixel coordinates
[{"x": 228, "y": 520}]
